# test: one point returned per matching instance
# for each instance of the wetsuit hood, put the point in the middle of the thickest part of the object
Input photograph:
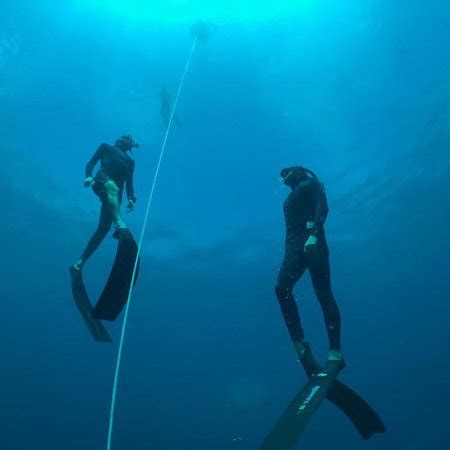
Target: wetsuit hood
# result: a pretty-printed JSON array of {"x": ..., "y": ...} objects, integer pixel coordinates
[
  {"x": 126, "y": 143},
  {"x": 292, "y": 176}
]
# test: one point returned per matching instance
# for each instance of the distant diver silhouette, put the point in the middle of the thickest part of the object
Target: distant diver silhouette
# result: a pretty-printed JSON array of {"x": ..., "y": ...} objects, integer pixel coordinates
[
  {"x": 166, "y": 108},
  {"x": 201, "y": 30}
]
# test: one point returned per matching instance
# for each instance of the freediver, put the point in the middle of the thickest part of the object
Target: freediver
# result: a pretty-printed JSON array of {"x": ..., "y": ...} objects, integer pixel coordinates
[
  {"x": 115, "y": 172},
  {"x": 166, "y": 108},
  {"x": 305, "y": 212}
]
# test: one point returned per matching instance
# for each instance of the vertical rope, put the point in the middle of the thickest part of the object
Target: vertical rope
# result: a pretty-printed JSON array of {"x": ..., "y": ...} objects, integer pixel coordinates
[{"x": 141, "y": 238}]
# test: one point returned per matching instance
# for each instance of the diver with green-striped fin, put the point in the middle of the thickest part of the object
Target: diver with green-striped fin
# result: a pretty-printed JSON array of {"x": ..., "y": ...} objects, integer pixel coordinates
[
  {"x": 305, "y": 212},
  {"x": 114, "y": 175}
]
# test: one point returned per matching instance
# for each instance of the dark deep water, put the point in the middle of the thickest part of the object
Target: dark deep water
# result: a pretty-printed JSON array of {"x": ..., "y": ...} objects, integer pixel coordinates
[{"x": 358, "y": 91}]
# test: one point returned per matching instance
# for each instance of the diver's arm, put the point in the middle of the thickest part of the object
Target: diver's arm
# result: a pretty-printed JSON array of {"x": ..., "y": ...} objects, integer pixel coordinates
[
  {"x": 130, "y": 190},
  {"x": 321, "y": 211},
  {"x": 320, "y": 215},
  {"x": 92, "y": 162},
  {"x": 129, "y": 184}
]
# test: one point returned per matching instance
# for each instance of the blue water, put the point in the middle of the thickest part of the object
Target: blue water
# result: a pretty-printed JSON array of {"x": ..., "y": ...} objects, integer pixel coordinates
[{"x": 357, "y": 91}]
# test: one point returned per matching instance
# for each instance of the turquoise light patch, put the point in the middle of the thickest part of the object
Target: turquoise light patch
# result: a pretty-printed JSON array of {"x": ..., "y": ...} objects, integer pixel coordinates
[{"x": 176, "y": 11}]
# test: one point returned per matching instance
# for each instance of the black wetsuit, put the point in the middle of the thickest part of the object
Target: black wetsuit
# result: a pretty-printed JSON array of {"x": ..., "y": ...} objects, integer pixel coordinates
[
  {"x": 307, "y": 205},
  {"x": 115, "y": 165}
]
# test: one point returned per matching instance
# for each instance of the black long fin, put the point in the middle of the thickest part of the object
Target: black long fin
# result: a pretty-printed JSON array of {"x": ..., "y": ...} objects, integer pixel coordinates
[
  {"x": 115, "y": 293},
  {"x": 81, "y": 298},
  {"x": 359, "y": 412},
  {"x": 293, "y": 421},
  {"x": 291, "y": 424}
]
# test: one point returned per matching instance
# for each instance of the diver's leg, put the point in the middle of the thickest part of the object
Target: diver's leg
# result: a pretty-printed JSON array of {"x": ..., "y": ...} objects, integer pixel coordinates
[
  {"x": 291, "y": 271},
  {"x": 104, "y": 225},
  {"x": 112, "y": 201},
  {"x": 165, "y": 116},
  {"x": 319, "y": 269}
]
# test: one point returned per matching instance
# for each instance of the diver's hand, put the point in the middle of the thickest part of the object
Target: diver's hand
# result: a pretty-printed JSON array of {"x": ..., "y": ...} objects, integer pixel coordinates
[
  {"x": 130, "y": 205},
  {"x": 88, "y": 182},
  {"x": 310, "y": 244}
]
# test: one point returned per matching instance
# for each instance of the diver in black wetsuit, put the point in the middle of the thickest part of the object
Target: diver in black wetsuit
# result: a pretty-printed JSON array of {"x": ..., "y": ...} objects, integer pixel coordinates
[
  {"x": 116, "y": 172},
  {"x": 166, "y": 108},
  {"x": 305, "y": 211}
]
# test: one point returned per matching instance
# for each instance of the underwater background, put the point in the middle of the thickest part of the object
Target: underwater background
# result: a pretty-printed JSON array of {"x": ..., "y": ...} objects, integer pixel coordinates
[{"x": 356, "y": 90}]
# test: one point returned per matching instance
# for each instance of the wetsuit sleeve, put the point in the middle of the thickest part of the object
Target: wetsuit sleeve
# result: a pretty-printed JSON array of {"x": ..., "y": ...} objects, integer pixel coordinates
[
  {"x": 129, "y": 184},
  {"x": 321, "y": 210},
  {"x": 94, "y": 160}
]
